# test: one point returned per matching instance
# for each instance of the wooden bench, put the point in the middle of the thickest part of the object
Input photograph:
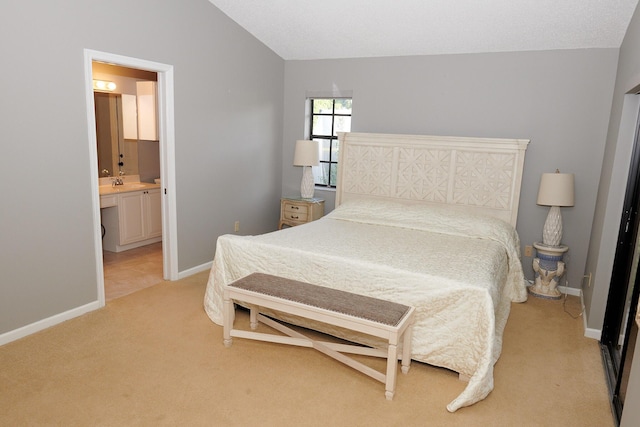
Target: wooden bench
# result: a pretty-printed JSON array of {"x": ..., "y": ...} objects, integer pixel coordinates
[{"x": 379, "y": 318}]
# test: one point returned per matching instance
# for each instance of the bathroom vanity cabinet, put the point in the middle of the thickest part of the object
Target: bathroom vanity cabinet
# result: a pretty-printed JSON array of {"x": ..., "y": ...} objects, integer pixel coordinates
[
  {"x": 135, "y": 220},
  {"x": 139, "y": 216}
]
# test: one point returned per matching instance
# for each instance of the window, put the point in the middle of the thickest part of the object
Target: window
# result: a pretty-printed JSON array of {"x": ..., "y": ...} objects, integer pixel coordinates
[{"x": 328, "y": 117}]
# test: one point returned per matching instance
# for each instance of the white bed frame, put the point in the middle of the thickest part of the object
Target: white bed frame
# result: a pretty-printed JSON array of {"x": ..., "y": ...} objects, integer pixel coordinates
[{"x": 483, "y": 175}]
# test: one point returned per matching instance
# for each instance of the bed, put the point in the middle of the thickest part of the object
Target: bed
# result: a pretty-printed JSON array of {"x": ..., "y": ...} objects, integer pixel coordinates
[{"x": 424, "y": 221}]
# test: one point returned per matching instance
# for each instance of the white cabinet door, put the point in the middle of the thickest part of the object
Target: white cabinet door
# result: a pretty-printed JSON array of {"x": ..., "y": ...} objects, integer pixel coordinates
[
  {"x": 153, "y": 206},
  {"x": 129, "y": 117},
  {"x": 147, "y": 111},
  {"x": 131, "y": 214}
]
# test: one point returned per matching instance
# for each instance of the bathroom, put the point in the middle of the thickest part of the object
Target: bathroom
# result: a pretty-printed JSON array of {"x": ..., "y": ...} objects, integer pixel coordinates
[{"x": 129, "y": 177}]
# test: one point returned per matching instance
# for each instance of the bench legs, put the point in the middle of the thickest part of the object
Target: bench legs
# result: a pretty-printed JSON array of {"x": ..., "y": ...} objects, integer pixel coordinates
[
  {"x": 392, "y": 362},
  {"x": 331, "y": 349},
  {"x": 253, "y": 317},
  {"x": 392, "y": 367},
  {"x": 406, "y": 349},
  {"x": 228, "y": 314}
]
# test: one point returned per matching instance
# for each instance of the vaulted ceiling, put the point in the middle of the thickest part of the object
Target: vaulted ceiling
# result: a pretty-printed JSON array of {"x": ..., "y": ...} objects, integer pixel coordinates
[{"x": 298, "y": 29}]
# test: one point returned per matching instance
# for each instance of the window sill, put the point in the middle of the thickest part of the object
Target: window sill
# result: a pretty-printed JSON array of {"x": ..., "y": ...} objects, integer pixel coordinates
[{"x": 323, "y": 188}]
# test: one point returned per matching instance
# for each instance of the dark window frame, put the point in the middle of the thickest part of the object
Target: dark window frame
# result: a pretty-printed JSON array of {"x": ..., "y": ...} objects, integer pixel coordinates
[{"x": 332, "y": 138}]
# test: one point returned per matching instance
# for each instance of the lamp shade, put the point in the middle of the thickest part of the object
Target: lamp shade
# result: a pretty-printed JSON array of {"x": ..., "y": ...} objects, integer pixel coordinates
[
  {"x": 556, "y": 189},
  {"x": 306, "y": 153}
]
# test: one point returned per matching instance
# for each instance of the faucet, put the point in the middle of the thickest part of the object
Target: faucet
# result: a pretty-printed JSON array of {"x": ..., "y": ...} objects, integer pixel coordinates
[{"x": 119, "y": 180}]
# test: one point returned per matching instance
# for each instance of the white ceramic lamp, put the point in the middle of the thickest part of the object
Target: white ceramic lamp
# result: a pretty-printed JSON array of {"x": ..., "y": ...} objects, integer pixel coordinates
[
  {"x": 306, "y": 155},
  {"x": 556, "y": 190}
]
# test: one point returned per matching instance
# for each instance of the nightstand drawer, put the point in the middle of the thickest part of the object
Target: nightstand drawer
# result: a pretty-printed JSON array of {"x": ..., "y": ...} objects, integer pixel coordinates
[
  {"x": 293, "y": 209},
  {"x": 299, "y": 211},
  {"x": 294, "y": 216}
]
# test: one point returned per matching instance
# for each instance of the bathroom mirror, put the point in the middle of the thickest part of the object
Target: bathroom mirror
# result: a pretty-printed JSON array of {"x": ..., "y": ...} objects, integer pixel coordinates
[
  {"x": 115, "y": 154},
  {"x": 118, "y": 117}
]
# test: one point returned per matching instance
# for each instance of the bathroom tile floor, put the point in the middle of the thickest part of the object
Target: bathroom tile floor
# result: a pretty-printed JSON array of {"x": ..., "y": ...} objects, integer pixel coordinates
[{"x": 130, "y": 271}]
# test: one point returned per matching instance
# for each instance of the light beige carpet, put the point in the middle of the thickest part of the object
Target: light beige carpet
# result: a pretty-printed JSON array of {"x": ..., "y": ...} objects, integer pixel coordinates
[{"x": 153, "y": 358}]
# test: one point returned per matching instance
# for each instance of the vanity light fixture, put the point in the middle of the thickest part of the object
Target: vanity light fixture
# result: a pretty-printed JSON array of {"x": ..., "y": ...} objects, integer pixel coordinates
[{"x": 104, "y": 85}]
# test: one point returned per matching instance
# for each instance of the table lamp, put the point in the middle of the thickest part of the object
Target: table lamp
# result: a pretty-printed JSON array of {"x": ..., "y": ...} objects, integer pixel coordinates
[
  {"x": 556, "y": 189},
  {"x": 306, "y": 155}
]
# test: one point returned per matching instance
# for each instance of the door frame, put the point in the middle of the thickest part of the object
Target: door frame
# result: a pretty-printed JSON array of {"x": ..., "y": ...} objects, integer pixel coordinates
[
  {"x": 166, "y": 131},
  {"x": 614, "y": 327}
]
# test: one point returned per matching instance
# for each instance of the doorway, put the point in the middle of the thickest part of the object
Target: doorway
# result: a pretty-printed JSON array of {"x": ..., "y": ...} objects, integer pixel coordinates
[
  {"x": 166, "y": 142},
  {"x": 620, "y": 331},
  {"x": 124, "y": 154}
]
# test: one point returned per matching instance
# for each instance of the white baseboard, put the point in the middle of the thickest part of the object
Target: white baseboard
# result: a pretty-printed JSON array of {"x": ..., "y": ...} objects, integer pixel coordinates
[
  {"x": 40, "y": 325},
  {"x": 563, "y": 289},
  {"x": 595, "y": 334},
  {"x": 78, "y": 311},
  {"x": 22, "y": 332},
  {"x": 570, "y": 291},
  {"x": 588, "y": 332},
  {"x": 194, "y": 270}
]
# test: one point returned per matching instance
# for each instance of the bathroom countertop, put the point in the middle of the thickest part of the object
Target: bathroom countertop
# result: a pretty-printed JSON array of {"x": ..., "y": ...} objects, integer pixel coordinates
[{"x": 127, "y": 187}]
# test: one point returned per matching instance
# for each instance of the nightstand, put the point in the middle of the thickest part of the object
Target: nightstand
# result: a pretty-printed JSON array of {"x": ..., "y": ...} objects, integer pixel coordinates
[{"x": 299, "y": 211}]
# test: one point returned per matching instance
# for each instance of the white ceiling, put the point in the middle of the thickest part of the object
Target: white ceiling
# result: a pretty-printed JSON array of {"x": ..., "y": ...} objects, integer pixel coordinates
[{"x": 323, "y": 29}]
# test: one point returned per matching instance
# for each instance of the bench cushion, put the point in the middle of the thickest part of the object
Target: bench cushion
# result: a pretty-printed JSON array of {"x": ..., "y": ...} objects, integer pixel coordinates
[{"x": 364, "y": 307}]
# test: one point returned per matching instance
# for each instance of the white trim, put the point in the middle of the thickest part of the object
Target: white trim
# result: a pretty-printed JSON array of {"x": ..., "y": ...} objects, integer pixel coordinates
[
  {"x": 335, "y": 93},
  {"x": 595, "y": 334},
  {"x": 32, "y": 328},
  {"x": 570, "y": 291},
  {"x": 166, "y": 128},
  {"x": 195, "y": 270},
  {"x": 588, "y": 332},
  {"x": 167, "y": 168},
  {"x": 93, "y": 176},
  {"x": 167, "y": 159}
]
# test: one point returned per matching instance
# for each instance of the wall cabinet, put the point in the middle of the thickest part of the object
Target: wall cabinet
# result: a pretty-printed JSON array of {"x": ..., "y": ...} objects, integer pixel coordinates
[
  {"x": 134, "y": 222},
  {"x": 129, "y": 117},
  {"x": 147, "y": 111},
  {"x": 140, "y": 112}
]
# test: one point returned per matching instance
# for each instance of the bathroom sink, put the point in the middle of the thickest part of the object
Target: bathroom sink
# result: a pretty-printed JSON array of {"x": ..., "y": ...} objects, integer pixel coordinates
[{"x": 126, "y": 187}]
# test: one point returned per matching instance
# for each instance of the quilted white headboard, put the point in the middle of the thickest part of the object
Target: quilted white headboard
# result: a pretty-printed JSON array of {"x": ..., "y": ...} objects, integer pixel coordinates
[{"x": 478, "y": 174}]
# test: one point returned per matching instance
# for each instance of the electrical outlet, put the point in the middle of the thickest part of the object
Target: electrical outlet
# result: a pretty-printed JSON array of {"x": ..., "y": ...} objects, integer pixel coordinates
[
  {"x": 528, "y": 250},
  {"x": 236, "y": 226}
]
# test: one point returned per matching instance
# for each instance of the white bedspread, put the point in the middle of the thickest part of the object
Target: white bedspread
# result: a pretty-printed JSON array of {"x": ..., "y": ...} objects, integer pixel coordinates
[{"x": 460, "y": 272}]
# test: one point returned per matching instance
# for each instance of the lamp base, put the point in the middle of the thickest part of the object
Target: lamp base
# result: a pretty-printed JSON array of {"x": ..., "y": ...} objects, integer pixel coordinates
[
  {"x": 552, "y": 231},
  {"x": 307, "y": 186},
  {"x": 549, "y": 268}
]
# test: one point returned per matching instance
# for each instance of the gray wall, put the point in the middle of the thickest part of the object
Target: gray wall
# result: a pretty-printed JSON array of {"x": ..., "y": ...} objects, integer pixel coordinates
[
  {"x": 228, "y": 133},
  {"x": 560, "y": 100},
  {"x": 615, "y": 169},
  {"x": 229, "y": 93}
]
